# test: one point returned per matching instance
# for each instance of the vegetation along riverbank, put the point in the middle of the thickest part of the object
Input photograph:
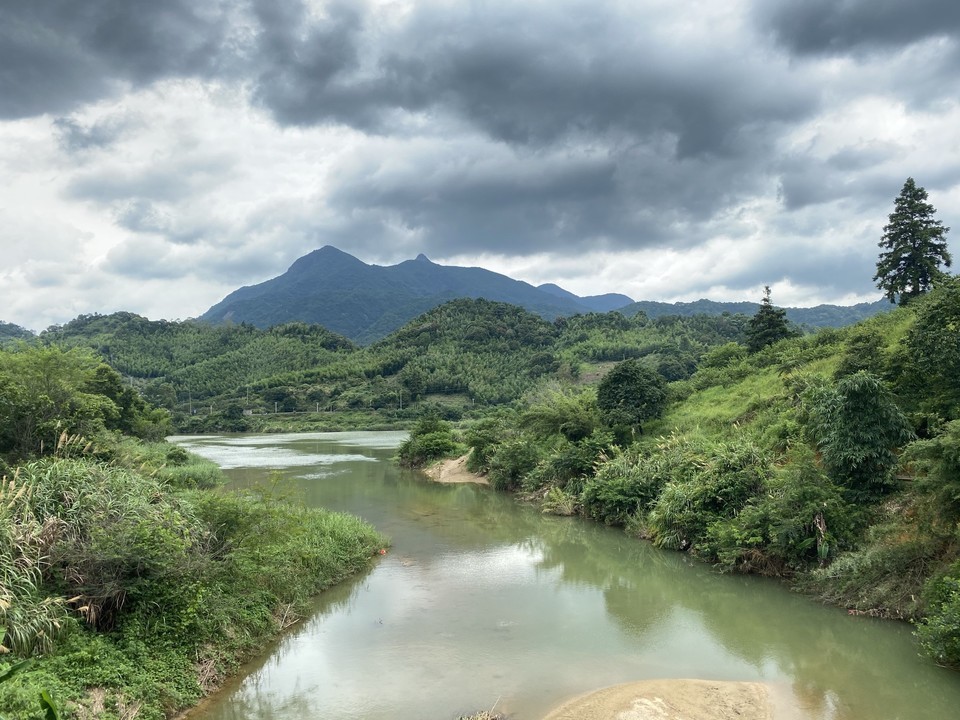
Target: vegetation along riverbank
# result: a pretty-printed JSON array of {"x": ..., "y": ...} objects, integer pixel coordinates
[
  {"x": 129, "y": 584},
  {"x": 827, "y": 459}
]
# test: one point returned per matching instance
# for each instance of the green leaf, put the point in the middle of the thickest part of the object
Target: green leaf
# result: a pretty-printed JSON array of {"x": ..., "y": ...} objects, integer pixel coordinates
[{"x": 51, "y": 711}]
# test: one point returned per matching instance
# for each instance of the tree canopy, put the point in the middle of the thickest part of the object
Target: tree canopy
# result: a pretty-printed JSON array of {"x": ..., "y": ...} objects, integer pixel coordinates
[
  {"x": 914, "y": 247},
  {"x": 630, "y": 394},
  {"x": 768, "y": 325}
]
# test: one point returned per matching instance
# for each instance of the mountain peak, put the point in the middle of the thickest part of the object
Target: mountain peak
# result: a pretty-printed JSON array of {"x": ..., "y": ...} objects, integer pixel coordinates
[{"x": 423, "y": 258}]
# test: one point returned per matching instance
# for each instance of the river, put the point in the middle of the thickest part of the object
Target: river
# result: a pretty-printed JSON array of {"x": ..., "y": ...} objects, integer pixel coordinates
[{"x": 483, "y": 603}]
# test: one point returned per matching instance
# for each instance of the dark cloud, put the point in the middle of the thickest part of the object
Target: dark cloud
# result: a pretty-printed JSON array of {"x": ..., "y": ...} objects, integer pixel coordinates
[
  {"x": 56, "y": 54},
  {"x": 521, "y": 74},
  {"x": 835, "y": 27}
]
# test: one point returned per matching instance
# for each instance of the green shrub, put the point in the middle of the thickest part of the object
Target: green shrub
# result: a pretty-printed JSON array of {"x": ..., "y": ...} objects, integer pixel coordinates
[
  {"x": 710, "y": 481},
  {"x": 557, "y": 501},
  {"x": 939, "y": 631},
  {"x": 798, "y": 520},
  {"x": 858, "y": 429},
  {"x": 511, "y": 462},
  {"x": 884, "y": 578},
  {"x": 430, "y": 440},
  {"x": 623, "y": 486}
]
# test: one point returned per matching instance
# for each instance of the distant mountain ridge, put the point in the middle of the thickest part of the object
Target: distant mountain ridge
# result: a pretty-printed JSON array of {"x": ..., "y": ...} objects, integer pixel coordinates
[
  {"x": 365, "y": 302},
  {"x": 817, "y": 316}
]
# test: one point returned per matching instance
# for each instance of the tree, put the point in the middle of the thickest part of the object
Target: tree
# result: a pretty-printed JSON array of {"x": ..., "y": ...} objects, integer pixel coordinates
[
  {"x": 768, "y": 325},
  {"x": 915, "y": 247},
  {"x": 858, "y": 428},
  {"x": 931, "y": 357},
  {"x": 630, "y": 394}
]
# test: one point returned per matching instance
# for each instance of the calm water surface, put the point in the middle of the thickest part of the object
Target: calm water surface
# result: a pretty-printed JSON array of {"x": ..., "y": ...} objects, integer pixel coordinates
[{"x": 482, "y": 602}]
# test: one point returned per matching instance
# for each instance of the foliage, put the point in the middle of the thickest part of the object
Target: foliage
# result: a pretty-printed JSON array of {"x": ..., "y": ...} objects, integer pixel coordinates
[
  {"x": 935, "y": 462},
  {"x": 553, "y": 410},
  {"x": 11, "y": 334},
  {"x": 939, "y": 632},
  {"x": 46, "y": 391},
  {"x": 30, "y": 622},
  {"x": 768, "y": 325},
  {"x": 799, "y": 519},
  {"x": 914, "y": 247},
  {"x": 511, "y": 461},
  {"x": 179, "y": 578},
  {"x": 710, "y": 481},
  {"x": 557, "y": 501},
  {"x": 931, "y": 353},
  {"x": 623, "y": 486},
  {"x": 483, "y": 436},
  {"x": 430, "y": 440},
  {"x": 630, "y": 394},
  {"x": 566, "y": 464},
  {"x": 864, "y": 352},
  {"x": 858, "y": 428},
  {"x": 884, "y": 577},
  {"x": 458, "y": 358},
  {"x": 117, "y": 573}
]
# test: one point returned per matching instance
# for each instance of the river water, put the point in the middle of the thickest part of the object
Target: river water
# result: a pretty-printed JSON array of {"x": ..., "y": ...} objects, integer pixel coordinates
[{"x": 482, "y": 603}]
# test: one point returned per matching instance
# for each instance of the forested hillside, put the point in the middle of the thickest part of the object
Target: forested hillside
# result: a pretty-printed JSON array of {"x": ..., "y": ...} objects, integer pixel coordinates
[
  {"x": 460, "y": 357},
  {"x": 11, "y": 333}
]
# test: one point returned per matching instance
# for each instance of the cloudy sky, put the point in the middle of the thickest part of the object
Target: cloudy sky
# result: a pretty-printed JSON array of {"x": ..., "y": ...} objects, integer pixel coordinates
[{"x": 157, "y": 154}]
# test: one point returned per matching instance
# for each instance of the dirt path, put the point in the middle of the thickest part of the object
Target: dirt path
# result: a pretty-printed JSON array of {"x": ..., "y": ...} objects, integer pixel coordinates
[
  {"x": 670, "y": 700},
  {"x": 454, "y": 471}
]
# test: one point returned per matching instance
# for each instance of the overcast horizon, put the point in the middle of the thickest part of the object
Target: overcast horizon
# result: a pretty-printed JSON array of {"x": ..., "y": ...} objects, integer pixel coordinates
[{"x": 159, "y": 155}]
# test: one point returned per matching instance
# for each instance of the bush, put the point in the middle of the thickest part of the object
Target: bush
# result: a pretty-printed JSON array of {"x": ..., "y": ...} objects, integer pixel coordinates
[
  {"x": 559, "y": 502},
  {"x": 710, "y": 481},
  {"x": 885, "y": 578},
  {"x": 623, "y": 486},
  {"x": 939, "y": 632},
  {"x": 430, "y": 440},
  {"x": 511, "y": 462},
  {"x": 858, "y": 429},
  {"x": 798, "y": 520}
]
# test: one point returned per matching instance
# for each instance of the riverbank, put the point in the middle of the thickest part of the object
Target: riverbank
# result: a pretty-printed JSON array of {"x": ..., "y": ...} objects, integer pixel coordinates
[{"x": 454, "y": 470}]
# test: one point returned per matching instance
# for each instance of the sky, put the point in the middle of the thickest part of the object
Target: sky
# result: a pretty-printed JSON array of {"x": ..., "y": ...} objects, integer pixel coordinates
[{"x": 157, "y": 154}]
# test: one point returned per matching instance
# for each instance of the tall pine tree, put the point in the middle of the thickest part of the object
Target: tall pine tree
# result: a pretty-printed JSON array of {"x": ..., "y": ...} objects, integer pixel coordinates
[
  {"x": 768, "y": 325},
  {"x": 914, "y": 247}
]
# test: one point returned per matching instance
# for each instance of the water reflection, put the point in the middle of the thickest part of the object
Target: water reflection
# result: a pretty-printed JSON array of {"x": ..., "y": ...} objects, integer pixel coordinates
[{"x": 481, "y": 601}]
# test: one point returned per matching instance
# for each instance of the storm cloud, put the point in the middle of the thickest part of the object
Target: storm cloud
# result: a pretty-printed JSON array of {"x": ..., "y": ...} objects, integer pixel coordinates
[{"x": 666, "y": 150}]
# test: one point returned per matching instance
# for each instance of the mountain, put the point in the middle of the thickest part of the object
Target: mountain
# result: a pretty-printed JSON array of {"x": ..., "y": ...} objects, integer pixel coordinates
[
  {"x": 596, "y": 303},
  {"x": 367, "y": 302},
  {"x": 364, "y": 302},
  {"x": 818, "y": 316}
]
